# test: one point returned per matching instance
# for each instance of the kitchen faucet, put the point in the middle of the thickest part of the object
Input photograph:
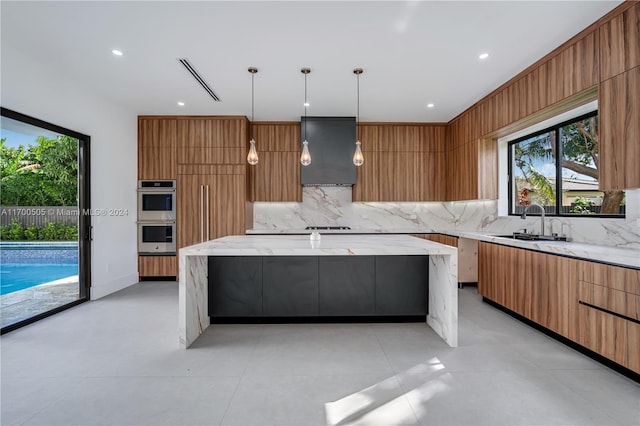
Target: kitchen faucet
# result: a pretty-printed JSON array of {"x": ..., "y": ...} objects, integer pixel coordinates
[{"x": 524, "y": 215}]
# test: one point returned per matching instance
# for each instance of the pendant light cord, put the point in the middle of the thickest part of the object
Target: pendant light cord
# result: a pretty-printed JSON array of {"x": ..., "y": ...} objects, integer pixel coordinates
[
  {"x": 252, "y": 94},
  {"x": 305, "y": 107},
  {"x": 358, "y": 106}
]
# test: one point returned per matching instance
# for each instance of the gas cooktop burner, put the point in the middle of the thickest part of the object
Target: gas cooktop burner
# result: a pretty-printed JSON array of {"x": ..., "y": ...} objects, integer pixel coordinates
[{"x": 325, "y": 228}]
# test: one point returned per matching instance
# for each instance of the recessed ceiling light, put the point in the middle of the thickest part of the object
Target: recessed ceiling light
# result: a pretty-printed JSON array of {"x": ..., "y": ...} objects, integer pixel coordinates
[
  {"x": 117, "y": 52},
  {"x": 483, "y": 56},
  {"x": 430, "y": 105},
  {"x": 180, "y": 103},
  {"x": 306, "y": 104}
]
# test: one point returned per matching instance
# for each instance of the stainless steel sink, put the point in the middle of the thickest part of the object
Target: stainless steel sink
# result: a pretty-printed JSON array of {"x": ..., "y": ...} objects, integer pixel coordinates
[{"x": 534, "y": 237}]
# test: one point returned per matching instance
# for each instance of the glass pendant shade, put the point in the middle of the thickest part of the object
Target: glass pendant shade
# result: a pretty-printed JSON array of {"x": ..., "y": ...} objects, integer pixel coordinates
[
  {"x": 305, "y": 157},
  {"x": 358, "y": 158},
  {"x": 252, "y": 157}
]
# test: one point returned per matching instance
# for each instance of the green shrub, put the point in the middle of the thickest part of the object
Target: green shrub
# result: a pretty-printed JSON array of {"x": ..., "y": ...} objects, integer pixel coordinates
[
  {"x": 50, "y": 232},
  {"x": 4, "y": 232},
  {"x": 31, "y": 233},
  {"x": 16, "y": 232}
]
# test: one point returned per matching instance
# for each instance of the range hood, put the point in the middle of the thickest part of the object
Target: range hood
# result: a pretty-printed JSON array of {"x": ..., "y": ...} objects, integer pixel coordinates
[{"x": 331, "y": 144}]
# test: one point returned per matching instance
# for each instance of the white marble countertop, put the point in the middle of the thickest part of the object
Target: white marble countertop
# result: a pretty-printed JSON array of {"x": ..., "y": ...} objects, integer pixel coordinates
[
  {"x": 607, "y": 254},
  {"x": 600, "y": 253},
  {"x": 328, "y": 245}
]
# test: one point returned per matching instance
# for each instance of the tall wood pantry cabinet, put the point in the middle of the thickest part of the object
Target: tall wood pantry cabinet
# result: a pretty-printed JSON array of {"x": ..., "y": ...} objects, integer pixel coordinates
[{"x": 206, "y": 157}]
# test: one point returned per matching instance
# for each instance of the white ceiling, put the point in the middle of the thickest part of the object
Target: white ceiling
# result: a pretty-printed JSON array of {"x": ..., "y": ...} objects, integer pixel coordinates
[{"x": 413, "y": 53}]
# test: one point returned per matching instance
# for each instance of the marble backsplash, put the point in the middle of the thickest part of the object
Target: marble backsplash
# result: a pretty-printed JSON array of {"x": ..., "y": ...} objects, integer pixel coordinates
[{"x": 332, "y": 206}]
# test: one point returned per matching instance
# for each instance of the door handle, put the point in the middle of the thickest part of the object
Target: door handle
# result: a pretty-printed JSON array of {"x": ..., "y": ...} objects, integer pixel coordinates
[
  {"x": 208, "y": 213},
  {"x": 201, "y": 213}
]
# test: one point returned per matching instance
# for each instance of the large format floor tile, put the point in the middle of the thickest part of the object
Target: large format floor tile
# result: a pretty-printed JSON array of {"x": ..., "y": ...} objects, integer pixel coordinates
[{"x": 116, "y": 361}]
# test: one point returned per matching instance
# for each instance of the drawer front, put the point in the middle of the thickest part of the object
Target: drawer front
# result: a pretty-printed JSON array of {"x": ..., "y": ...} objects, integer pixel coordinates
[
  {"x": 620, "y": 302},
  {"x": 614, "y": 277},
  {"x": 605, "y": 334}
]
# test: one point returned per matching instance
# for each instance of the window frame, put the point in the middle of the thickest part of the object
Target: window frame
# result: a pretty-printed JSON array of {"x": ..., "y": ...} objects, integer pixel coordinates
[{"x": 558, "y": 186}]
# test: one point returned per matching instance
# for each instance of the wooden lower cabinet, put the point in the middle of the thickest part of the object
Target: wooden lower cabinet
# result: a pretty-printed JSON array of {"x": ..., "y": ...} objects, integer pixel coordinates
[
  {"x": 605, "y": 334},
  {"x": 556, "y": 292},
  {"x": 440, "y": 238},
  {"x": 157, "y": 266}
]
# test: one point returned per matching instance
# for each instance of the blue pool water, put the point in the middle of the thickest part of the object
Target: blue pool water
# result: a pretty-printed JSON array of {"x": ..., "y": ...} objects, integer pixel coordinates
[{"x": 24, "y": 265}]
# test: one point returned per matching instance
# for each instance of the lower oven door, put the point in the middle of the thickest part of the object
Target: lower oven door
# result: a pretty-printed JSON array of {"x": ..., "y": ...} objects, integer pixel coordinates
[{"x": 156, "y": 237}]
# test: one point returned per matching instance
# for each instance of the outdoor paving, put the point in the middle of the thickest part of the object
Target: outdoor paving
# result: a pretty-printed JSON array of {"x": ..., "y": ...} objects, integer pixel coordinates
[{"x": 23, "y": 304}]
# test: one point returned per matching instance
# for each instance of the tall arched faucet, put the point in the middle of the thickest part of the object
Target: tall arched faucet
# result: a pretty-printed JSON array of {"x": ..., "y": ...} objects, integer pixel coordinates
[{"x": 524, "y": 215}]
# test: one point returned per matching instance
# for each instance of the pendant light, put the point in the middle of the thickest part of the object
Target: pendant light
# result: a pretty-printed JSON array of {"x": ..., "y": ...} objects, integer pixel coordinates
[
  {"x": 252, "y": 157},
  {"x": 358, "y": 158},
  {"x": 305, "y": 157}
]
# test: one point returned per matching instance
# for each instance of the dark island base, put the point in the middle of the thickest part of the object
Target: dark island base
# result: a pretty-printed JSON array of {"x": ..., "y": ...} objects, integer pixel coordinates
[
  {"x": 320, "y": 320},
  {"x": 300, "y": 288}
]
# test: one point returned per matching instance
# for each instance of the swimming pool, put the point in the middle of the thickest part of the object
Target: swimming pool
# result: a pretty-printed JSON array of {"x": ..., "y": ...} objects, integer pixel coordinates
[{"x": 24, "y": 265}]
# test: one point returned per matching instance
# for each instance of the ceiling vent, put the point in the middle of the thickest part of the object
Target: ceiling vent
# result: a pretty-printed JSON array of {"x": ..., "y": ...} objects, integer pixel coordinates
[{"x": 185, "y": 62}]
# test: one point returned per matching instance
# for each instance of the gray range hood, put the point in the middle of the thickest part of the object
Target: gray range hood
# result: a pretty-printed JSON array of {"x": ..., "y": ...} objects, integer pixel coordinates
[{"x": 332, "y": 142}]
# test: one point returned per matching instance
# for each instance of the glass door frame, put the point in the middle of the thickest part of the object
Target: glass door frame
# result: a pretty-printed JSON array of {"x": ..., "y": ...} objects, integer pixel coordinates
[{"x": 85, "y": 230}]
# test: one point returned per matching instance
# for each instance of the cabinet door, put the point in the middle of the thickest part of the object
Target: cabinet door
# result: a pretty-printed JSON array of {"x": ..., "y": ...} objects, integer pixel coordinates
[
  {"x": 276, "y": 177},
  {"x": 402, "y": 285},
  {"x": 347, "y": 285},
  {"x": 227, "y": 208},
  {"x": 209, "y": 207},
  {"x": 192, "y": 207},
  {"x": 235, "y": 286},
  {"x": 620, "y": 43},
  {"x": 157, "y": 266},
  {"x": 619, "y": 103},
  {"x": 290, "y": 286},
  {"x": 157, "y": 148},
  {"x": 212, "y": 140}
]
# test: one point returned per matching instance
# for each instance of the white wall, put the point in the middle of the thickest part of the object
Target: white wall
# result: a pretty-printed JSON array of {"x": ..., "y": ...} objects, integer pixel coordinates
[{"x": 31, "y": 88}]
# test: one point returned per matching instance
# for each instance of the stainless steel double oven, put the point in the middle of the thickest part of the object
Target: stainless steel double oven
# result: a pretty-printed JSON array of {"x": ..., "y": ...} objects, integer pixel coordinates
[{"x": 157, "y": 217}]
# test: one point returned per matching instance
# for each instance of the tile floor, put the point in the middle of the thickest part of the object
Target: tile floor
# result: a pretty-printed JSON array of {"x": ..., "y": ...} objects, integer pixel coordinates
[
  {"x": 115, "y": 361},
  {"x": 24, "y": 304}
]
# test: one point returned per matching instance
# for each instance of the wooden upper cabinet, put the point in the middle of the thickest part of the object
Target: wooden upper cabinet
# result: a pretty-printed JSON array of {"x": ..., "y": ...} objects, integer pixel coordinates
[
  {"x": 619, "y": 132},
  {"x": 157, "y": 132},
  {"x": 620, "y": 43},
  {"x": 472, "y": 171},
  {"x": 157, "y": 141},
  {"x": 276, "y": 177},
  {"x": 212, "y": 140},
  {"x": 402, "y": 162}
]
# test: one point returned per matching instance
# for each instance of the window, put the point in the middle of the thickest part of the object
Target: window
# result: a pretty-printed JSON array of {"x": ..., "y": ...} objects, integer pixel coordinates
[{"x": 557, "y": 168}]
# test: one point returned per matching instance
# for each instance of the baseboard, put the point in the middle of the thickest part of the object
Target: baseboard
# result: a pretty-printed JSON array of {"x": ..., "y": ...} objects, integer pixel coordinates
[
  {"x": 101, "y": 290},
  {"x": 568, "y": 342},
  {"x": 319, "y": 319}
]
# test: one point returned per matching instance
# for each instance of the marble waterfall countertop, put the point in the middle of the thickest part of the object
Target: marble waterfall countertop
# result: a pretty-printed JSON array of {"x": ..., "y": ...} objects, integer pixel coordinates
[
  {"x": 193, "y": 289},
  {"x": 328, "y": 245},
  {"x": 620, "y": 256}
]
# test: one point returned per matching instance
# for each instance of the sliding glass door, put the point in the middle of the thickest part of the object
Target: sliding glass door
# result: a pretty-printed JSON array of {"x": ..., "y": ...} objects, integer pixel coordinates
[{"x": 44, "y": 235}]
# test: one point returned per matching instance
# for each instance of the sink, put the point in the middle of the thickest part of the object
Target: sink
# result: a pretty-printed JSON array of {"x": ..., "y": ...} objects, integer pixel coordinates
[{"x": 533, "y": 237}]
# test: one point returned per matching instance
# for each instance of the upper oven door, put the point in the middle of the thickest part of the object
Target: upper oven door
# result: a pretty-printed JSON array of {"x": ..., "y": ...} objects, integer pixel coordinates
[{"x": 155, "y": 205}]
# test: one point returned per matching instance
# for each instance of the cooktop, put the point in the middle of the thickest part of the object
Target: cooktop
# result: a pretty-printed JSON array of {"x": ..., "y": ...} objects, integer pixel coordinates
[{"x": 323, "y": 228}]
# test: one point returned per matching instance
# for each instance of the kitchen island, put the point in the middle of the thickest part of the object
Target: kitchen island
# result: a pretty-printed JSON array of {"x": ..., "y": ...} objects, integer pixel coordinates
[{"x": 442, "y": 272}]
